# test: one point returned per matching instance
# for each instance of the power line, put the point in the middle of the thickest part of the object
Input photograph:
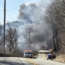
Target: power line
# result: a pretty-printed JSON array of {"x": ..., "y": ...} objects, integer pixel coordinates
[
  {"x": 13, "y": 8},
  {"x": 14, "y": 2},
  {"x": 15, "y": 5},
  {"x": 9, "y": 16},
  {"x": 10, "y": 10},
  {"x": 10, "y": 3}
]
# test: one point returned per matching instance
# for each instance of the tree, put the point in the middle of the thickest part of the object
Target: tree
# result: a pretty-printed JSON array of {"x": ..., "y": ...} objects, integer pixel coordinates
[
  {"x": 11, "y": 39},
  {"x": 56, "y": 16}
]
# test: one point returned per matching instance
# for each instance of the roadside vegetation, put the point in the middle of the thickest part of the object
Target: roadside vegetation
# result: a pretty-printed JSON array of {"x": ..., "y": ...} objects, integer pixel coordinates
[
  {"x": 11, "y": 44},
  {"x": 56, "y": 16}
]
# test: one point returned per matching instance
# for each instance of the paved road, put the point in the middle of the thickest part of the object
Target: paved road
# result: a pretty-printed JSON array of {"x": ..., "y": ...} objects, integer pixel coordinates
[
  {"x": 13, "y": 61},
  {"x": 26, "y": 61},
  {"x": 40, "y": 61}
]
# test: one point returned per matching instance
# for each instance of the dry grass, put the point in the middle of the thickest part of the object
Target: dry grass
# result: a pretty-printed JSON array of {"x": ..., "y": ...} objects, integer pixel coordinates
[{"x": 60, "y": 58}]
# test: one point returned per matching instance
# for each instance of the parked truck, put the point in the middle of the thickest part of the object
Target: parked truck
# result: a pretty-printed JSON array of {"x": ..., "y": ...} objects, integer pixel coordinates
[{"x": 28, "y": 53}]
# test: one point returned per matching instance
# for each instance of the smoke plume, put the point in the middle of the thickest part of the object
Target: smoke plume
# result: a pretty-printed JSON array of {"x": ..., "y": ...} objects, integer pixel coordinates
[{"x": 35, "y": 30}]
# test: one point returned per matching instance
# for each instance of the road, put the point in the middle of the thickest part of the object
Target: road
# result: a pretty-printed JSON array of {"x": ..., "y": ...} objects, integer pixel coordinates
[
  {"x": 13, "y": 61},
  {"x": 26, "y": 61}
]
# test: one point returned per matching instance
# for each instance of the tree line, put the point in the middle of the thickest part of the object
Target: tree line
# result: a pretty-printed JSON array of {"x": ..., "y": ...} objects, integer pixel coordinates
[
  {"x": 55, "y": 15},
  {"x": 11, "y": 41}
]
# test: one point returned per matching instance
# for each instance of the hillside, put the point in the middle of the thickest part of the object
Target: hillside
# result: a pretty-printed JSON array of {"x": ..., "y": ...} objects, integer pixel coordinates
[{"x": 61, "y": 53}]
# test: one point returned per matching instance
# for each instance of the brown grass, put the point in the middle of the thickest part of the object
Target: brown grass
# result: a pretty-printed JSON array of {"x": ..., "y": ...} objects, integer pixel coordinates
[{"x": 60, "y": 58}]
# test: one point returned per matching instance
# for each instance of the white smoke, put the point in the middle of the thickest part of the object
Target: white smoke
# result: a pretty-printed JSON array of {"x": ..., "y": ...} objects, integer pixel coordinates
[{"x": 32, "y": 15}]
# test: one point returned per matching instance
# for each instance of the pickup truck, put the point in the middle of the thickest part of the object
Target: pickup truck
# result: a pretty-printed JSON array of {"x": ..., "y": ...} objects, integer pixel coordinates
[{"x": 28, "y": 53}]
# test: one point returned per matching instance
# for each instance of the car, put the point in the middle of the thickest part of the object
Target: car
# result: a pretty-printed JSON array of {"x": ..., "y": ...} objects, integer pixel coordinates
[{"x": 51, "y": 56}]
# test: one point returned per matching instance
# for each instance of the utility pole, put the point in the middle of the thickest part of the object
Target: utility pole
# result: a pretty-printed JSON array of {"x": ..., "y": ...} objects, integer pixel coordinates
[
  {"x": 4, "y": 21},
  {"x": 29, "y": 39}
]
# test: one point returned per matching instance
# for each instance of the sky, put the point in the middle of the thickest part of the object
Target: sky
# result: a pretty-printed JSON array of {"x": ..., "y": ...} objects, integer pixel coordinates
[{"x": 12, "y": 9}]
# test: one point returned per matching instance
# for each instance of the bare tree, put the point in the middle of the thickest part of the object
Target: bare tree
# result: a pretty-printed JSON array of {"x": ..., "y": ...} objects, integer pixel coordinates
[
  {"x": 56, "y": 16},
  {"x": 11, "y": 39}
]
